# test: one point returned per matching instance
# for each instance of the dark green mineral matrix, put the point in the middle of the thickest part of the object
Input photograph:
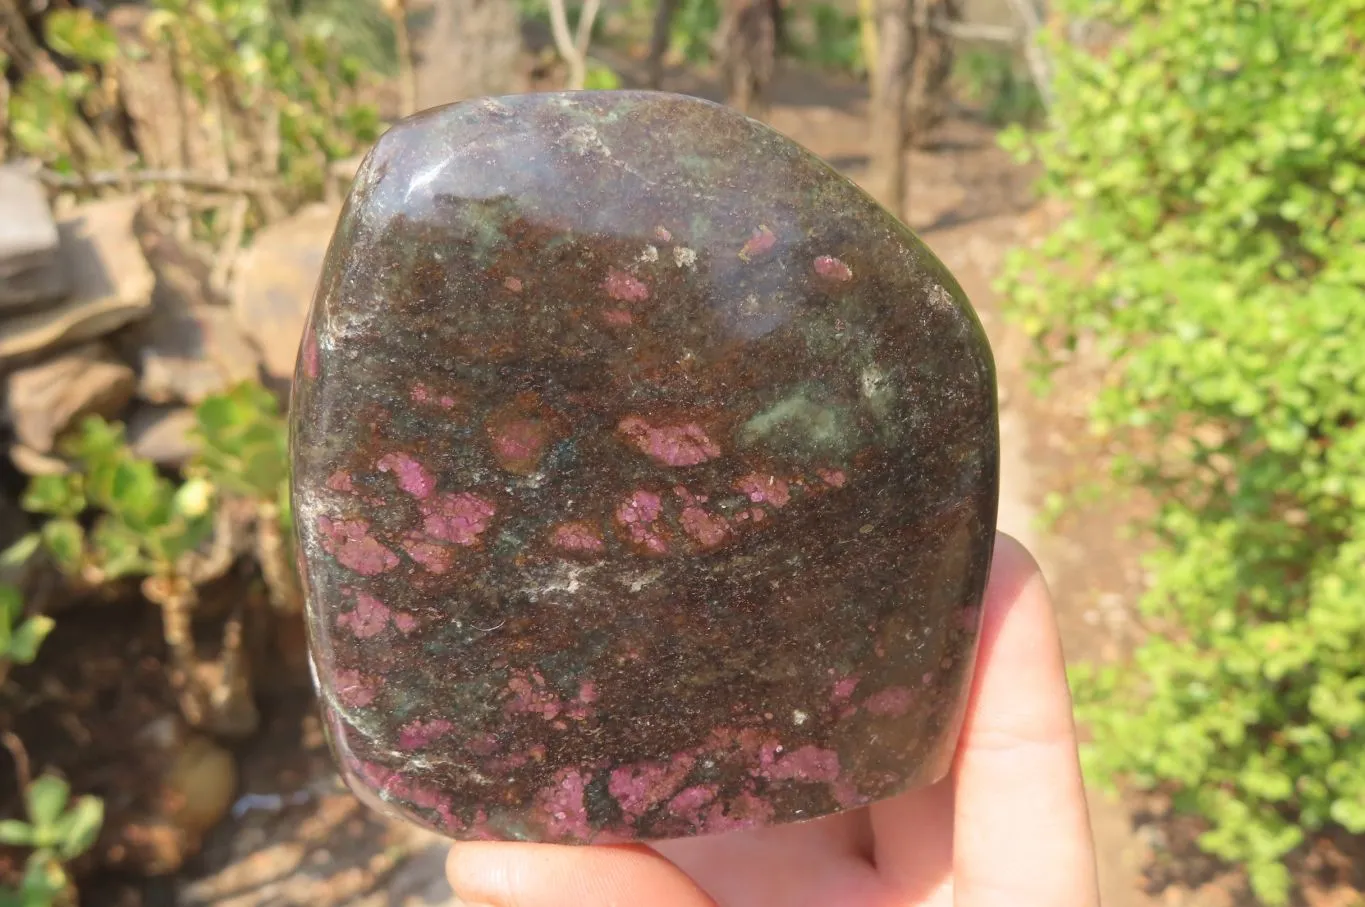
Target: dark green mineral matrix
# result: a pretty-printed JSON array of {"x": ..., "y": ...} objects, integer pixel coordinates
[{"x": 645, "y": 477}]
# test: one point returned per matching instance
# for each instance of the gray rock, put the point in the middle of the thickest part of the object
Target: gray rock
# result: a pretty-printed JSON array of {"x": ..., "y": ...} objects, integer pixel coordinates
[
  {"x": 43, "y": 401},
  {"x": 110, "y": 279},
  {"x": 187, "y": 351},
  {"x": 275, "y": 282},
  {"x": 31, "y": 288},
  {"x": 28, "y": 235},
  {"x": 162, "y": 434}
]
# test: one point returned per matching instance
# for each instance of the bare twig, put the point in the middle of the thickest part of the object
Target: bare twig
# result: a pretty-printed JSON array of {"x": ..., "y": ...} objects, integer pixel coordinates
[
  {"x": 198, "y": 179},
  {"x": 407, "y": 73},
  {"x": 658, "y": 40},
  {"x": 23, "y": 772},
  {"x": 586, "y": 17},
  {"x": 1037, "y": 61},
  {"x": 277, "y": 566},
  {"x": 573, "y": 48},
  {"x": 966, "y": 31},
  {"x": 226, "y": 259}
]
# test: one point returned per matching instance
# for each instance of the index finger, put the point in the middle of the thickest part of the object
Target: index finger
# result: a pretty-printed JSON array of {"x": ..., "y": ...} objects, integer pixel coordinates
[{"x": 1021, "y": 831}]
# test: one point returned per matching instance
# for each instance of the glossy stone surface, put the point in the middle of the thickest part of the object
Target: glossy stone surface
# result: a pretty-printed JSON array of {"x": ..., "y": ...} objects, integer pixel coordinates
[{"x": 645, "y": 477}]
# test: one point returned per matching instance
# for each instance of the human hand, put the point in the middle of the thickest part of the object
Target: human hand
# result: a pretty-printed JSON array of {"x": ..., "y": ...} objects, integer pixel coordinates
[{"x": 1007, "y": 828}]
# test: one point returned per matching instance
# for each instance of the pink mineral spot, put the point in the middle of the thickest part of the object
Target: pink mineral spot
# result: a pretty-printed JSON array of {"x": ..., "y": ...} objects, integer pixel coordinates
[
  {"x": 618, "y": 318},
  {"x": 310, "y": 353},
  {"x": 529, "y": 696},
  {"x": 641, "y": 507},
  {"x": 707, "y": 529},
  {"x": 671, "y": 445},
  {"x": 412, "y": 476},
  {"x": 350, "y": 543},
  {"x": 638, "y": 788},
  {"x": 482, "y": 744},
  {"x": 760, "y": 242},
  {"x": 341, "y": 481},
  {"x": 432, "y": 555},
  {"x": 834, "y": 478},
  {"x": 638, "y": 515},
  {"x": 809, "y": 763},
  {"x": 578, "y": 536},
  {"x": 747, "y": 811},
  {"x": 892, "y": 702},
  {"x": 564, "y": 813},
  {"x": 368, "y": 619},
  {"x": 460, "y": 518},
  {"x": 846, "y": 794},
  {"x": 352, "y": 689},
  {"x": 624, "y": 287},
  {"x": 765, "y": 489},
  {"x": 513, "y": 284},
  {"x": 689, "y": 802},
  {"x": 662, "y": 234},
  {"x": 843, "y": 689},
  {"x": 518, "y": 443},
  {"x": 420, "y": 394},
  {"x": 831, "y": 268},
  {"x": 419, "y": 734}
]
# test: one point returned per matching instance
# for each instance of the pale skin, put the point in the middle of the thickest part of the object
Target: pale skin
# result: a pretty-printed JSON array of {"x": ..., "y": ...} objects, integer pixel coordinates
[{"x": 1007, "y": 828}]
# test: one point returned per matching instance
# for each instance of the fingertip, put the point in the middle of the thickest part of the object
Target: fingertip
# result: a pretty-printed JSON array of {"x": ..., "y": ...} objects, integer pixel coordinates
[
  {"x": 504, "y": 874},
  {"x": 1021, "y": 821}
]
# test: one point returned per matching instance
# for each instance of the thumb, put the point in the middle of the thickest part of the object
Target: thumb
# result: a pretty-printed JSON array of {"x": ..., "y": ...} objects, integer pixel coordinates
[{"x": 551, "y": 875}]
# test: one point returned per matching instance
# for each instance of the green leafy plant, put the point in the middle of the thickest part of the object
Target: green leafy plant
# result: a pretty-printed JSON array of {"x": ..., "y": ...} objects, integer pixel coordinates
[
  {"x": 1213, "y": 159},
  {"x": 262, "y": 102},
  {"x": 58, "y": 831},
  {"x": 994, "y": 82},
  {"x": 831, "y": 38},
  {"x": 20, "y": 636},
  {"x": 116, "y": 516}
]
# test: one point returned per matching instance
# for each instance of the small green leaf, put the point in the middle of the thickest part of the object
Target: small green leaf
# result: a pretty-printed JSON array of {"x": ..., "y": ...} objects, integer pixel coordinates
[
  {"x": 64, "y": 540},
  {"x": 18, "y": 554},
  {"x": 46, "y": 798},
  {"x": 80, "y": 827},
  {"x": 58, "y": 495},
  {"x": 29, "y": 636},
  {"x": 15, "y": 833}
]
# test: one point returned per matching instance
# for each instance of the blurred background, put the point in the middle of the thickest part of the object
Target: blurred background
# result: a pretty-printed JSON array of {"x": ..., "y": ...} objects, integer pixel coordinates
[{"x": 1157, "y": 206}]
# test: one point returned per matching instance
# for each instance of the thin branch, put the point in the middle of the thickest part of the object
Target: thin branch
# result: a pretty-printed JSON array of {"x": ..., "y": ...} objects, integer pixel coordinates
[
  {"x": 23, "y": 772},
  {"x": 586, "y": 17},
  {"x": 194, "y": 178},
  {"x": 966, "y": 31},
  {"x": 573, "y": 47},
  {"x": 407, "y": 71},
  {"x": 1033, "y": 54}
]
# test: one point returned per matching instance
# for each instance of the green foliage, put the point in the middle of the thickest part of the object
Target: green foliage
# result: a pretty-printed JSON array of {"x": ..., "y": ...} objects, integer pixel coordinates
[
  {"x": 58, "y": 831},
  {"x": 993, "y": 81},
  {"x": 601, "y": 78},
  {"x": 693, "y": 29},
  {"x": 1214, "y": 162},
  {"x": 289, "y": 74},
  {"x": 830, "y": 38},
  {"x": 143, "y": 523},
  {"x": 20, "y": 637},
  {"x": 281, "y": 94}
]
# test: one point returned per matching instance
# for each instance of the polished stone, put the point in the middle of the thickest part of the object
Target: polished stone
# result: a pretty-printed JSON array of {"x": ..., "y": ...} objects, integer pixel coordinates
[{"x": 645, "y": 477}]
